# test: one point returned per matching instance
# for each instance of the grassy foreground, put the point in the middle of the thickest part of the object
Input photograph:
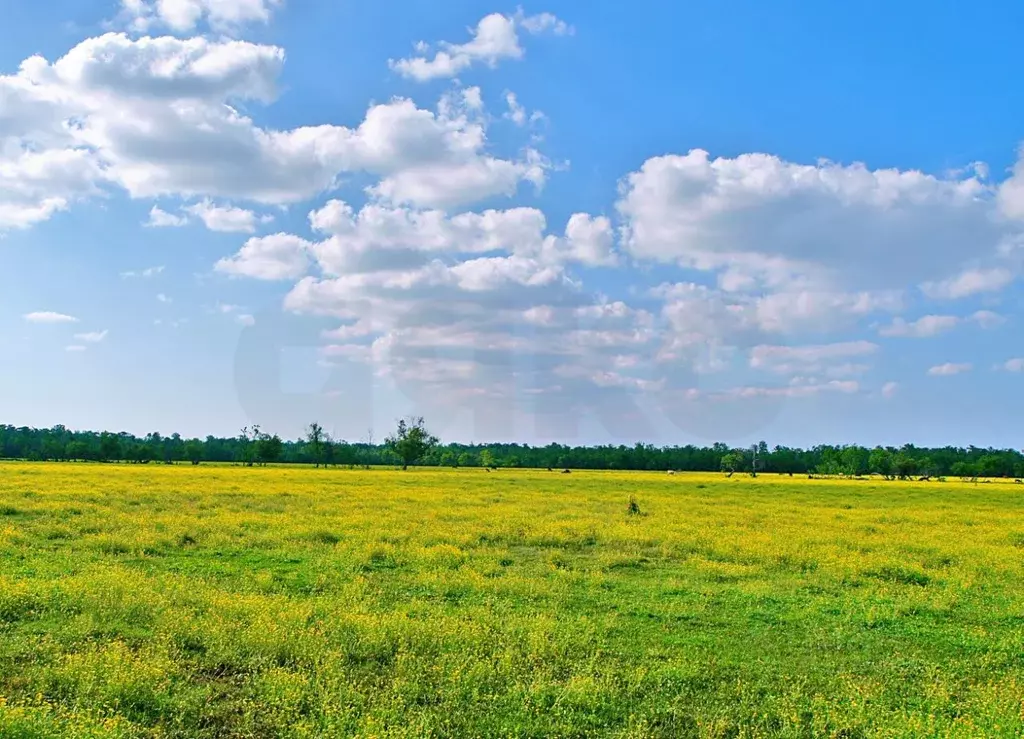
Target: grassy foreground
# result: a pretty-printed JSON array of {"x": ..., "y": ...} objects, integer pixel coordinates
[{"x": 292, "y": 602}]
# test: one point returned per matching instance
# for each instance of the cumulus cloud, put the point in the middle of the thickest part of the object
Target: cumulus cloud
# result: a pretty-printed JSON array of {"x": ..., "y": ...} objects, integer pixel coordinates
[
  {"x": 495, "y": 38},
  {"x": 49, "y": 317},
  {"x": 185, "y": 15},
  {"x": 759, "y": 221},
  {"x": 225, "y": 218},
  {"x": 1013, "y": 365},
  {"x": 159, "y": 218},
  {"x": 162, "y": 117},
  {"x": 949, "y": 368},
  {"x": 276, "y": 257},
  {"x": 890, "y": 389}
]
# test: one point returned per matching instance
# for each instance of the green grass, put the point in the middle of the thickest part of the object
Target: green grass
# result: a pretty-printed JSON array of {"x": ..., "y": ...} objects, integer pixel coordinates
[{"x": 292, "y": 602}]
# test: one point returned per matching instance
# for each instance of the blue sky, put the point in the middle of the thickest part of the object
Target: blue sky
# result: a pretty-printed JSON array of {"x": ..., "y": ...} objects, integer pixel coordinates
[{"x": 580, "y": 222}]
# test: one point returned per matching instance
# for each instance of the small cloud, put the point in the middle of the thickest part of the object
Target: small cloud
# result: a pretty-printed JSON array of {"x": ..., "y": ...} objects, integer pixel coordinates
[
  {"x": 949, "y": 368},
  {"x": 923, "y": 327},
  {"x": 245, "y": 319},
  {"x": 163, "y": 298},
  {"x": 516, "y": 112},
  {"x": 74, "y": 348},
  {"x": 987, "y": 319},
  {"x": 162, "y": 219},
  {"x": 1012, "y": 365},
  {"x": 92, "y": 337},
  {"x": 148, "y": 272},
  {"x": 970, "y": 282},
  {"x": 889, "y": 389},
  {"x": 49, "y": 317}
]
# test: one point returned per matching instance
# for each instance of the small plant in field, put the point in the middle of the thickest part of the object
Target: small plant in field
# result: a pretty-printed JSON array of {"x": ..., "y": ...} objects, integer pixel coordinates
[{"x": 633, "y": 509}]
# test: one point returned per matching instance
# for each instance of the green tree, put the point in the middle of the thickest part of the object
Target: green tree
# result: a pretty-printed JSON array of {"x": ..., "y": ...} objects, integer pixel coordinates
[
  {"x": 110, "y": 447},
  {"x": 247, "y": 444},
  {"x": 315, "y": 442},
  {"x": 411, "y": 441},
  {"x": 194, "y": 451},
  {"x": 855, "y": 460},
  {"x": 732, "y": 462},
  {"x": 881, "y": 463},
  {"x": 487, "y": 459},
  {"x": 269, "y": 448},
  {"x": 964, "y": 470}
]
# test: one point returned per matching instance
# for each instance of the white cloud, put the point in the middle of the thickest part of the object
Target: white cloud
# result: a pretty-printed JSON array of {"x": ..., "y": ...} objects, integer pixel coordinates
[
  {"x": 517, "y": 113},
  {"x": 275, "y": 257},
  {"x": 495, "y": 38},
  {"x": 987, "y": 319},
  {"x": 759, "y": 221},
  {"x": 245, "y": 319},
  {"x": 1011, "y": 191},
  {"x": 159, "y": 218},
  {"x": 145, "y": 273},
  {"x": 948, "y": 369},
  {"x": 225, "y": 218},
  {"x": 807, "y": 359},
  {"x": 163, "y": 298},
  {"x": 161, "y": 117},
  {"x": 969, "y": 282},
  {"x": 74, "y": 348},
  {"x": 890, "y": 389},
  {"x": 92, "y": 337},
  {"x": 543, "y": 22},
  {"x": 380, "y": 237},
  {"x": 1013, "y": 365},
  {"x": 49, "y": 317},
  {"x": 185, "y": 15},
  {"x": 923, "y": 327},
  {"x": 796, "y": 390}
]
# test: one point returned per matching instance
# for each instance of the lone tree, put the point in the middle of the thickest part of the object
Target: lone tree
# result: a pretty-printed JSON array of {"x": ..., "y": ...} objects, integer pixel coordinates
[
  {"x": 411, "y": 441},
  {"x": 732, "y": 463},
  {"x": 315, "y": 441}
]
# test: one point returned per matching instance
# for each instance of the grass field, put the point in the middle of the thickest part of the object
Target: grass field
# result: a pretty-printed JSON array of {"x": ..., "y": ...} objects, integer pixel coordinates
[{"x": 230, "y": 602}]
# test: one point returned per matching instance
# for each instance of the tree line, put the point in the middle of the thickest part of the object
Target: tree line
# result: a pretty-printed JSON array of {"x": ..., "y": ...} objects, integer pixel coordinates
[{"x": 411, "y": 444}]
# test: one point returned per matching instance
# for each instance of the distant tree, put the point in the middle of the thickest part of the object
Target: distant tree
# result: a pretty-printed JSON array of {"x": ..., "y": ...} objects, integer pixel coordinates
[
  {"x": 194, "y": 451},
  {"x": 855, "y": 460},
  {"x": 247, "y": 441},
  {"x": 315, "y": 442},
  {"x": 881, "y": 463},
  {"x": 154, "y": 446},
  {"x": 411, "y": 441},
  {"x": 964, "y": 470},
  {"x": 268, "y": 448},
  {"x": 465, "y": 460},
  {"x": 76, "y": 450},
  {"x": 487, "y": 459},
  {"x": 110, "y": 447},
  {"x": 732, "y": 462},
  {"x": 903, "y": 465},
  {"x": 448, "y": 459},
  {"x": 330, "y": 449},
  {"x": 345, "y": 453}
]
